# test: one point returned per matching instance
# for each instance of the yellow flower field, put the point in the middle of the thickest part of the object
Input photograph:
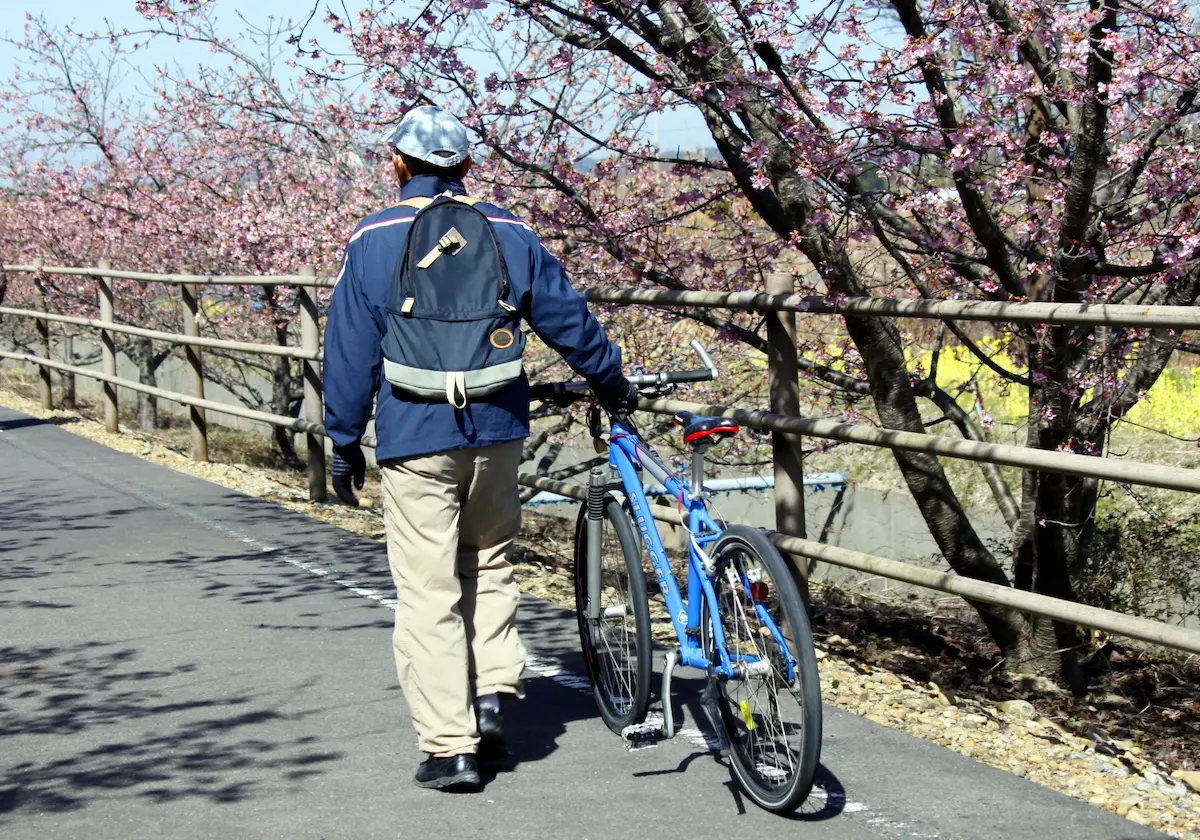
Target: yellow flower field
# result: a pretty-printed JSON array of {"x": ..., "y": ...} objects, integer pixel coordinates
[{"x": 1171, "y": 406}]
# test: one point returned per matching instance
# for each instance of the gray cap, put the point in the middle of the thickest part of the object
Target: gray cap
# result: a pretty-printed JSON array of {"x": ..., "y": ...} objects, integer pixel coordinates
[{"x": 431, "y": 134}]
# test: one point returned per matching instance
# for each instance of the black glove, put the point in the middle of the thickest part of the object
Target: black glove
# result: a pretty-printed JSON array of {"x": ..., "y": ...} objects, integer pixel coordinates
[
  {"x": 349, "y": 467},
  {"x": 622, "y": 406}
]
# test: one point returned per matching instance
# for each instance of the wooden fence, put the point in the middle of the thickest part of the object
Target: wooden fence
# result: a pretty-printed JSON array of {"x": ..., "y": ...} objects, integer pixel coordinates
[{"x": 788, "y": 428}]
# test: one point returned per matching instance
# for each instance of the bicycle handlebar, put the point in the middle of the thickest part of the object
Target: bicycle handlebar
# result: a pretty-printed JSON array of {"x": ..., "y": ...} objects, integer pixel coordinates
[{"x": 561, "y": 392}]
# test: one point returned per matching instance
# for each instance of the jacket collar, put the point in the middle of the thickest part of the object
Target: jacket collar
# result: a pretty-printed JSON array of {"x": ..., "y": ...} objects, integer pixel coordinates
[{"x": 431, "y": 185}]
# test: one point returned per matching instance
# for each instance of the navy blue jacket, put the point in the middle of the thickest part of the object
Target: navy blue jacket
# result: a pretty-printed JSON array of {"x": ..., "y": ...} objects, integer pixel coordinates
[{"x": 407, "y": 427}]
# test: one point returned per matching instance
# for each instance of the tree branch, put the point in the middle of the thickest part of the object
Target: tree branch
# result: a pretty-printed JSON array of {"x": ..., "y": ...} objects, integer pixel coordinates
[
  {"x": 985, "y": 226},
  {"x": 1078, "y": 225}
]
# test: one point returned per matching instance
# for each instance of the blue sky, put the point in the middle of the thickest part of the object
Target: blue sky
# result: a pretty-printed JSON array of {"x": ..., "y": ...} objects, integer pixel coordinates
[
  {"x": 674, "y": 129},
  {"x": 101, "y": 15}
]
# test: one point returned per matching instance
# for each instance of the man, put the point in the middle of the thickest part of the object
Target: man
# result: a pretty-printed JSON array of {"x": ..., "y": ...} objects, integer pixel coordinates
[{"x": 449, "y": 470}]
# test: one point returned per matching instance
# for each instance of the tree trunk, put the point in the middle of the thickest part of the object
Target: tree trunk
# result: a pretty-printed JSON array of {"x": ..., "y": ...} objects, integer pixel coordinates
[
  {"x": 878, "y": 341},
  {"x": 69, "y": 400},
  {"x": 147, "y": 404},
  {"x": 1051, "y": 542},
  {"x": 284, "y": 384}
]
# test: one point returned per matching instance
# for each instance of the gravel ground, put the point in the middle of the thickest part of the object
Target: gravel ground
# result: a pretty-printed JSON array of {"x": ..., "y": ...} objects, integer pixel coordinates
[{"x": 1011, "y": 734}]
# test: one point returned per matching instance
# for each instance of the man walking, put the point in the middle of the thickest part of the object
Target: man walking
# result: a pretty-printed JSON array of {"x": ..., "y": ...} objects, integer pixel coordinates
[{"x": 452, "y": 412}]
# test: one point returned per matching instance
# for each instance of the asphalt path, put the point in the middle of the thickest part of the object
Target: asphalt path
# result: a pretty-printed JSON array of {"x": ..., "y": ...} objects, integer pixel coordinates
[{"x": 178, "y": 660}]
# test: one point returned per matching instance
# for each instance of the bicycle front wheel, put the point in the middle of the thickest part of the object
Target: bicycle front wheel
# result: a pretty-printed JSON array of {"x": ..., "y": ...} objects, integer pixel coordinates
[
  {"x": 770, "y": 709},
  {"x": 616, "y": 646}
]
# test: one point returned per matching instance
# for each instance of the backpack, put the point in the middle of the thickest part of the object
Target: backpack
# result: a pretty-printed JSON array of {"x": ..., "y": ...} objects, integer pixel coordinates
[{"x": 452, "y": 331}]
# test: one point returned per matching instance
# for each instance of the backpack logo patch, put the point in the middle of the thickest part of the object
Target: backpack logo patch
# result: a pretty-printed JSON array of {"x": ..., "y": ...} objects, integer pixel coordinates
[{"x": 502, "y": 339}]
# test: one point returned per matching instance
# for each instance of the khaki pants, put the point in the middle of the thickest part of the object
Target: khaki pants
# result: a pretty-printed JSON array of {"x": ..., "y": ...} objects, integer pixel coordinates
[{"x": 450, "y": 520}]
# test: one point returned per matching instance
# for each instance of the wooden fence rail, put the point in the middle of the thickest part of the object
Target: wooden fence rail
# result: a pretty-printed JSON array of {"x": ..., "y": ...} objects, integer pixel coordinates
[
  {"x": 170, "y": 338},
  {"x": 102, "y": 270},
  {"x": 788, "y": 428},
  {"x": 1111, "y": 315}
]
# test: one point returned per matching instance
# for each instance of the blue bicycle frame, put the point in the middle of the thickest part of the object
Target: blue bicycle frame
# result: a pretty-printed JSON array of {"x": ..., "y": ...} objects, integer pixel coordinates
[{"x": 626, "y": 454}]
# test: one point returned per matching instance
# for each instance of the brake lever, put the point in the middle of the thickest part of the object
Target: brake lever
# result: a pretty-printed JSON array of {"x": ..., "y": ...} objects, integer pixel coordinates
[
  {"x": 594, "y": 420},
  {"x": 657, "y": 392}
]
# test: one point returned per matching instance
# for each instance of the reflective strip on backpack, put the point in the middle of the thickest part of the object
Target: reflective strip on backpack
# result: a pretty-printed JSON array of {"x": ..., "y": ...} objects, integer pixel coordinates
[{"x": 434, "y": 383}]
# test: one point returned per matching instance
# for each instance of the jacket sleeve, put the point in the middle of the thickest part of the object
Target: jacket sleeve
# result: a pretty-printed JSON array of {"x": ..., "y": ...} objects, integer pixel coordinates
[
  {"x": 559, "y": 315},
  {"x": 353, "y": 355}
]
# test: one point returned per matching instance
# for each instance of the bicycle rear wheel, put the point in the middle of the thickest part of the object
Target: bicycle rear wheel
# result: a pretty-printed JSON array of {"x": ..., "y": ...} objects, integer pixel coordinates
[
  {"x": 771, "y": 720},
  {"x": 616, "y": 646}
]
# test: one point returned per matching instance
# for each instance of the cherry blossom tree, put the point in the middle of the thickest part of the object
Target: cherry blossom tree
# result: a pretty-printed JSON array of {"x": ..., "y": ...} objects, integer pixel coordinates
[
  {"x": 999, "y": 150},
  {"x": 995, "y": 150},
  {"x": 198, "y": 173}
]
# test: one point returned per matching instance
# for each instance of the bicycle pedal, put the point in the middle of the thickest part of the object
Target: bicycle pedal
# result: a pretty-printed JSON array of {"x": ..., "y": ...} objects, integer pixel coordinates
[{"x": 643, "y": 733}]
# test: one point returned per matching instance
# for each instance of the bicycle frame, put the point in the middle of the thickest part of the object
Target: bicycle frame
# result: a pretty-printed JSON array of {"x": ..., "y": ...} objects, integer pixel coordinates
[{"x": 626, "y": 453}]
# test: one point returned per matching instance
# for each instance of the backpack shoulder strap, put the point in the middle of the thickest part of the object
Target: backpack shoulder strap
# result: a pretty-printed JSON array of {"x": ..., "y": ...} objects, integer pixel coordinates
[{"x": 419, "y": 202}]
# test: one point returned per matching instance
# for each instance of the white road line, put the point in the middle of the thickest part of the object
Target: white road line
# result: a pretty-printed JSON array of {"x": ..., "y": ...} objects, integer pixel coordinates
[
  {"x": 553, "y": 671},
  {"x": 542, "y": 667},
  {"x": 696, "y": 737}
]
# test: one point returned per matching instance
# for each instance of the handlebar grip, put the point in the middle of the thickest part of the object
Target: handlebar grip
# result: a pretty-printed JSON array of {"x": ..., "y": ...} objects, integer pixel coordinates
[
  {"x": 690, "y": 376},
  {"x": 556, "y": 392},
  {"x": 657, "y": 380}
]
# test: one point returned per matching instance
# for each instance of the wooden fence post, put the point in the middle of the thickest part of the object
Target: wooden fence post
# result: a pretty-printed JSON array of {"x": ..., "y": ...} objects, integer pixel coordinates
[
  {"x": 43, "y": 333},
  {"x": 314, "y": 408},
  {"x": 784, "y": 380},
  {"x": 191, "y": 328},
  {"x": 109, "y": 347},
  {"x": 68, "y": 379}
]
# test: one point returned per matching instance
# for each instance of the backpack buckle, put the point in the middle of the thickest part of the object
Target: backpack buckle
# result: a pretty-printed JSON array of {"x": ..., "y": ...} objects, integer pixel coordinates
[{"x": 450, "y": 243}]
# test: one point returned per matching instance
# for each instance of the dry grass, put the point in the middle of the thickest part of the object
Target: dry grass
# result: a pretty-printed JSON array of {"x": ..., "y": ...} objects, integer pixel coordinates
[{"x": 1148, "y": 696}]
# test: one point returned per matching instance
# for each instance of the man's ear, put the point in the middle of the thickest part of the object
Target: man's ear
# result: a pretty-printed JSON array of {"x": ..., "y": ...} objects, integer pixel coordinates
[
  {"x": 403, "y": 176},
  {"x": 466, "y": 167}
]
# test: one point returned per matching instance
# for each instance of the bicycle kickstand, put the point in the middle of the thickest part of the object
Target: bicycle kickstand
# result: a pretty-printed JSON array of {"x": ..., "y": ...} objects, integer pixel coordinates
[
  {"x": 668, "y": 727},
  {"x": 650, "y": 731}
]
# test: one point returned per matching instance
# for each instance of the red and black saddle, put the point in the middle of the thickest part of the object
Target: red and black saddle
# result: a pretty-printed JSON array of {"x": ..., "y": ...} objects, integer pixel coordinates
[{"x": 698, "y": 429}]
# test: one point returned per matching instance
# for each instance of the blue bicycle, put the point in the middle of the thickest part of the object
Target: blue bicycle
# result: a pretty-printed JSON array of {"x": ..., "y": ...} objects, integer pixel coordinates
[{"x": 743, "y": 621}]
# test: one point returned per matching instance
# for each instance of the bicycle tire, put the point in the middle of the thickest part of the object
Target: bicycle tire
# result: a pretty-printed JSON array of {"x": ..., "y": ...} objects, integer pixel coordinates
[
  {"x": 762, "y": 746},
  {"x": 621, "y": 689}
]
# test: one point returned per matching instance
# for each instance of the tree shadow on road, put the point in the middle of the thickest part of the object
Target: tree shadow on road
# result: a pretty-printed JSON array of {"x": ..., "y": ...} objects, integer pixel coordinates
[
  {"x": 25, "y": 422},
  {"x": 257, "y": 578},
  {"x": 33, "y": 514},
  {"x": 85, "y": 723}
]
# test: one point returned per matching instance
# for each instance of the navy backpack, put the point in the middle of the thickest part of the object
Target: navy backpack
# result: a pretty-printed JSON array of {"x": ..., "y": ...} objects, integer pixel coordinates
[{"x": 453, "y": 331}]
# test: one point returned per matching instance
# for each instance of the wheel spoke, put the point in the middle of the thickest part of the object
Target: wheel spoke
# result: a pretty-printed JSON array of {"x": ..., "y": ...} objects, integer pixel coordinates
[
  {"x": 618, "y": 663},
  {"x": 616, "y": 643},
  {"x": 755, "y": 704}
]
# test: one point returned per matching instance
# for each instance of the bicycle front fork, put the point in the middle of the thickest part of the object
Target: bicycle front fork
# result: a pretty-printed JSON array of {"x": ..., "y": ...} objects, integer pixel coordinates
[{"x": 596, "y": 500}]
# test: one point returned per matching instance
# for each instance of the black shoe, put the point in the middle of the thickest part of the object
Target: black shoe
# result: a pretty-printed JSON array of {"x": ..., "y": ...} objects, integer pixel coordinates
[
  {"x": 451, "y": 772},
  {"x": 492, "y": 743}
]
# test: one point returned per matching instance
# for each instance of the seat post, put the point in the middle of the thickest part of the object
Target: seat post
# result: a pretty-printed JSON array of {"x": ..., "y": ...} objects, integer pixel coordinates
[{"x": 697, "y": 472}]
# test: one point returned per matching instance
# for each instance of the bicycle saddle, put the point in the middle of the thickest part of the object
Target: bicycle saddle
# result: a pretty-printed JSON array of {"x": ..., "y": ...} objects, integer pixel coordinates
[{"x": 697, "y": 428}]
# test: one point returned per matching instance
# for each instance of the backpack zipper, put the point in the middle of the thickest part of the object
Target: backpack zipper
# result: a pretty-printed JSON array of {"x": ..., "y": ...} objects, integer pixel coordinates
[{"x": 451, "y": 239}]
